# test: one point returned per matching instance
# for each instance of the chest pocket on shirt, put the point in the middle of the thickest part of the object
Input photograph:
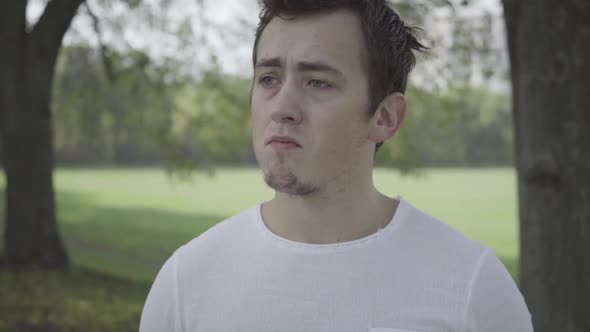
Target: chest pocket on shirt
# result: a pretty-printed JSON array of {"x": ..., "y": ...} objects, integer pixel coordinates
[{"x": 387, "y": 329}]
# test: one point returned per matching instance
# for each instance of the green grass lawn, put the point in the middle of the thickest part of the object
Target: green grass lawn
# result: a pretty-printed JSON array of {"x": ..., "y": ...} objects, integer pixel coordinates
[{"x": 125, "y": 222}]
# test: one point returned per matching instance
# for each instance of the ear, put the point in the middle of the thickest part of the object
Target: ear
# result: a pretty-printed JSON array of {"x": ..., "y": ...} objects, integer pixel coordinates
[{"x": 388, "y": 118}]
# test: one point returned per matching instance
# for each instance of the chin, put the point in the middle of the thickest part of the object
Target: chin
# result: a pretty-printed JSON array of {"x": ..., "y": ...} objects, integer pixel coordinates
[
  {"x": 280, "y": 170},
  {"x": 282, "y": 179}
]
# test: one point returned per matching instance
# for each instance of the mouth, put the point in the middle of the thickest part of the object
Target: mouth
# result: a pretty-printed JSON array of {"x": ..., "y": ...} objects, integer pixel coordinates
[{"x": 283, "y": 143}]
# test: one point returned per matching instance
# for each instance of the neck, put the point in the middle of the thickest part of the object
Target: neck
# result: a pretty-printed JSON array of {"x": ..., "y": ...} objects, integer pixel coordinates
[{"x": 337, "y": 213}]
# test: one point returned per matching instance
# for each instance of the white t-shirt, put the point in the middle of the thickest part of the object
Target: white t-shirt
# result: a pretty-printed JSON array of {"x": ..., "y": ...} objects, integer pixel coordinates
[{"x": 415, "y": 274}]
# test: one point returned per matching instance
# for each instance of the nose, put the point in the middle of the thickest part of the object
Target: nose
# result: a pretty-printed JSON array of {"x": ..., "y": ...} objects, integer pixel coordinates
[{"x": 287, "y": 107}]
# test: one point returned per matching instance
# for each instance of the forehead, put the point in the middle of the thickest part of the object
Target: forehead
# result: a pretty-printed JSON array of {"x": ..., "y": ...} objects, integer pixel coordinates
[{"x": 333, "y": 37}]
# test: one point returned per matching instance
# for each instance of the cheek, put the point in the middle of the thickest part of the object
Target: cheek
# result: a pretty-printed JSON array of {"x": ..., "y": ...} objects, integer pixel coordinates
[
  {"x": 338, "y": 135},
  {"x": 257, "y": 119}
]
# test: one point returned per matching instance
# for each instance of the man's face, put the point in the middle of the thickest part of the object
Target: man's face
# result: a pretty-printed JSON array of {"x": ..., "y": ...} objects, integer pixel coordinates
[{"x": 311, "y": 86}]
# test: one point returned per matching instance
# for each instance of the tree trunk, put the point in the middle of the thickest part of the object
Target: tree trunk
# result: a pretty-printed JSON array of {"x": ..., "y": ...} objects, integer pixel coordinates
[
  {"x": 549, "y": 46},
  {"x": 26, "y": 73}
]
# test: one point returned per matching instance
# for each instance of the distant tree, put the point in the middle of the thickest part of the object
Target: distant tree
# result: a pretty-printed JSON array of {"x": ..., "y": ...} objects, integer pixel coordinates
[
  {"x": 459, "y": 127},
  {"x": 101, "y": 121}
]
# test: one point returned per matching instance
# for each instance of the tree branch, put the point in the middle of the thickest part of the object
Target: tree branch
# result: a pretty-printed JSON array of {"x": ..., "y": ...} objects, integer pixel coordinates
[
  {"x": 47, "y": 35},
  {"x": 511, "y": 17},
  {"x": 106, "y": 59},
  {"x": 12, "y": 42},
  {"x": 12, "y": 18},
  {"x": 112, "y": 73}
]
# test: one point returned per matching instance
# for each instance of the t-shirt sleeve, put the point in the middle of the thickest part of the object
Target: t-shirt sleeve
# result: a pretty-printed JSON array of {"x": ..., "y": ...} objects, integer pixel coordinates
[
  {"x": 161, "y": 311},
  {"x": 495, "y": 303}
]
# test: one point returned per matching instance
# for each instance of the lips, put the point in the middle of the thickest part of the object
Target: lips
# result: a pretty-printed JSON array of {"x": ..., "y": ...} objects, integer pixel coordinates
[{"x": 284, "y": 140}]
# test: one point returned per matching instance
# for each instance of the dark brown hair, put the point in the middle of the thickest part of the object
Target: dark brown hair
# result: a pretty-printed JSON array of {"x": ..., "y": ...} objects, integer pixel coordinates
[{"x": 390, "y": 42}]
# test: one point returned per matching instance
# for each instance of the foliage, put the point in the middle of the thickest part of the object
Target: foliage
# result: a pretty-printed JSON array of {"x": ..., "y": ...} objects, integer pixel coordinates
[
  {"x": 464, "y": 126},
  {"x": 215, "y": 111},
  {"x": 120, "y": 102},
  {"x": 147, "y": 118},
  {"x": 98, "y": 121}
]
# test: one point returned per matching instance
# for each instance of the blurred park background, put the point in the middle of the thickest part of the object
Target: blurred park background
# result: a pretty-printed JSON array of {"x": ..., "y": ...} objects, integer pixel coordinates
[{"x": 149, "y": 146}]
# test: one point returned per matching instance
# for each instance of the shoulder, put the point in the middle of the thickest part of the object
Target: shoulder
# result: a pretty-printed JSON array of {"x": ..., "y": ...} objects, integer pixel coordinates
[
  {"x": 434, "y": 238},
  {"x": 492, "y": 290},
  {"x": 220, "y": 237},
  {"x": 487, "y": 286},
  {"x": 227, "y": 227}
]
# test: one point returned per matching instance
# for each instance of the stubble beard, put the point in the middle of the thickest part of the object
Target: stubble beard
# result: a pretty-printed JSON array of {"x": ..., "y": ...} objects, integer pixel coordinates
[{"x": 289, "y": 183}]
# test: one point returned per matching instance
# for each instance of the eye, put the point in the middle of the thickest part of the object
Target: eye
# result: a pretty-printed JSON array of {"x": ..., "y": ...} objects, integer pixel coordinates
[
  {"x": 267, "y": 81},
  {"x": 318, "y": 84}
]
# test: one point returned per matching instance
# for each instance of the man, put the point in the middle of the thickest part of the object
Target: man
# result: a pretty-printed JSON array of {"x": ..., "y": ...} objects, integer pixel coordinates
[{"x": 329, "y": 252}]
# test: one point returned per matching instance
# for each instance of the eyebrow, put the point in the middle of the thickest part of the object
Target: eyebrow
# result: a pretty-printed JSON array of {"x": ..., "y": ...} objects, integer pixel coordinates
[{"x": 302, "y": 65}]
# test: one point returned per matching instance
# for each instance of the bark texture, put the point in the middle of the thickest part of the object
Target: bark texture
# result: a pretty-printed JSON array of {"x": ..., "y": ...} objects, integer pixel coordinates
[
  {"x": 27, "y": 61},
  {"x": 549, "y": 45}
]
